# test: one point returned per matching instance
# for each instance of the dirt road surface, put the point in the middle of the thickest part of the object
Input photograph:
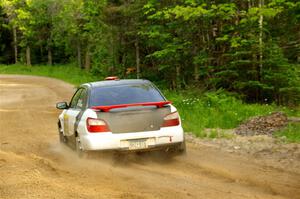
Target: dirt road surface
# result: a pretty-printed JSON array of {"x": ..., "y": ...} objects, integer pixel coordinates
[{"x": 34, "y": 165}]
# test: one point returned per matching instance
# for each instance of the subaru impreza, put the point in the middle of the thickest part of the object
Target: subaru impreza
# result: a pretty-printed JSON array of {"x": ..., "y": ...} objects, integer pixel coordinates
[{"x": 120, "y": 115}]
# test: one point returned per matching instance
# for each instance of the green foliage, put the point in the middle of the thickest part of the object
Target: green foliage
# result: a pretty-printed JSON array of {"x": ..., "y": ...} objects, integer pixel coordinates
[
  {"x": 239, "y": 46},
  {"x": 291, "y": 133}
]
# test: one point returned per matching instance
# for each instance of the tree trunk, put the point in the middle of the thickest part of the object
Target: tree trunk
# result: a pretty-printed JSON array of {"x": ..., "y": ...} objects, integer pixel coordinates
[
  {"x": 178, "y": 83},
  {"x": 249, "y": 4},
  {"x": 196, "y": 73},
  {"x": 112, "y": 49},
  {"x": 41, "y": 51},
  {"x": 28, "y": 56},
  {"x": 49, "y": 57},
  {"x": 79, "y": 55},
  {"x": 261, "y": 20},
  {"x": 137, "y": 57},
  {"x": 15, "y": 43},
  {"x": 196, "y": 67},
  {"x": 87, "y": 64},
  {"x": 298, "y": 56}
]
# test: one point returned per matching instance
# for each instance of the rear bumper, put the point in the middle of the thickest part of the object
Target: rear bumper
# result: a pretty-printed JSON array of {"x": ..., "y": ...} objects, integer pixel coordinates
[
  {"x": 161, "y": 147},
  {"x": 163, "y": 138}
]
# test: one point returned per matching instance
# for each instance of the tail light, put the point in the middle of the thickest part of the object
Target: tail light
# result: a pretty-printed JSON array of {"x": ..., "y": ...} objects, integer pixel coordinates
[
  {"x": 171, "y": 119},
  {"x": 96, "y": 125}
]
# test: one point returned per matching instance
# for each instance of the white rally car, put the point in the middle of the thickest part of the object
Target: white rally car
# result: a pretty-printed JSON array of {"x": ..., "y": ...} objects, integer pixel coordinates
[{"x": 120, "y": 115}]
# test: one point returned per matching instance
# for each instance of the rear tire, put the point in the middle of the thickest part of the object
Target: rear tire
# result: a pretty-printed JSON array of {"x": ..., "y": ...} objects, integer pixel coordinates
[
  {"x": 62, "y": 138},
  {"x": 79, "y": 150},
  {"x": 182, "y": 148},
  {"x": 178, "y": 150}
]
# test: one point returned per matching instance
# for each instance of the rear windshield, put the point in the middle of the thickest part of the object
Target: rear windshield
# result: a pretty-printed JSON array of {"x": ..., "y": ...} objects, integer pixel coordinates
[{"x": 124, "y": 94}]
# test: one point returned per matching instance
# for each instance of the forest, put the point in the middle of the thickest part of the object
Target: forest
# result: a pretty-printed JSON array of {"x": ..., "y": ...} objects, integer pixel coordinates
[{"x": 247, "y": 47}]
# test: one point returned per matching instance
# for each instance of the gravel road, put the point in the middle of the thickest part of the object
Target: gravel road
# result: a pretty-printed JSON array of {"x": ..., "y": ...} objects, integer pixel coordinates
[{"x": 34, "y": 165}]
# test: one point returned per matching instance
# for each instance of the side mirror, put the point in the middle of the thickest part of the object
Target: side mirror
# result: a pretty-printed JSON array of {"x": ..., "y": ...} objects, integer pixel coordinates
[{"x": 62, "y": 105}]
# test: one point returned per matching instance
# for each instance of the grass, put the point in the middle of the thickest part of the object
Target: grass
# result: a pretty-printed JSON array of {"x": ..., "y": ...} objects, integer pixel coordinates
[
  {"x": 291, "y": 133},
  {"x": 217, "y": 110},
  {"x": 68, "y": 73},
  {"x": 199, "y": 111}
]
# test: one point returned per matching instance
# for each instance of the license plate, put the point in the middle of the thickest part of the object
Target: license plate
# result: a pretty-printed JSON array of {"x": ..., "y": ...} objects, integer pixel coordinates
[{"x": 137, "y": 144}]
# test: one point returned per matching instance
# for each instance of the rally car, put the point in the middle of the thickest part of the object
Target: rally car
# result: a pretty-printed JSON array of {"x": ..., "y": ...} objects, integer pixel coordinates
[{"x": 120, "y": 115}]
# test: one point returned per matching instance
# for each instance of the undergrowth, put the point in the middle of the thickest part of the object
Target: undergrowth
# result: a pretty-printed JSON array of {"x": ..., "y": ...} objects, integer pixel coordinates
[
  {"x": 217, "y": 110},
  {"x": 291, "y": 133}
]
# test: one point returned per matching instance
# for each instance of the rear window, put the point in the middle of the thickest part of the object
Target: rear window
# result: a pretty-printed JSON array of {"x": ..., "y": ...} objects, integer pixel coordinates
[{"x": 124, "y": 94}]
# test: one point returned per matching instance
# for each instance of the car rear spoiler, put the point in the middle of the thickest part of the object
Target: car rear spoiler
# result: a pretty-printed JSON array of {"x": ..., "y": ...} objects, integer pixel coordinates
[{"x": 108, "y": 108}]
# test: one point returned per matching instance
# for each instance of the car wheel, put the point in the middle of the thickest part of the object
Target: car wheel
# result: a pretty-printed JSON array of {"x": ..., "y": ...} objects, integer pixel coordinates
[
  {"x": 62, "y": 138},
  {"x": 182, "y": 148},
  {"x": 79, "y": 150},
  {"x": 178, "y": 150}
]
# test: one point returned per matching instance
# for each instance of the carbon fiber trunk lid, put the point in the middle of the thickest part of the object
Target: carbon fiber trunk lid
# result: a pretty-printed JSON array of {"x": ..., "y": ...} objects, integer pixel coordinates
[{"x": 134, "y": 119}]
